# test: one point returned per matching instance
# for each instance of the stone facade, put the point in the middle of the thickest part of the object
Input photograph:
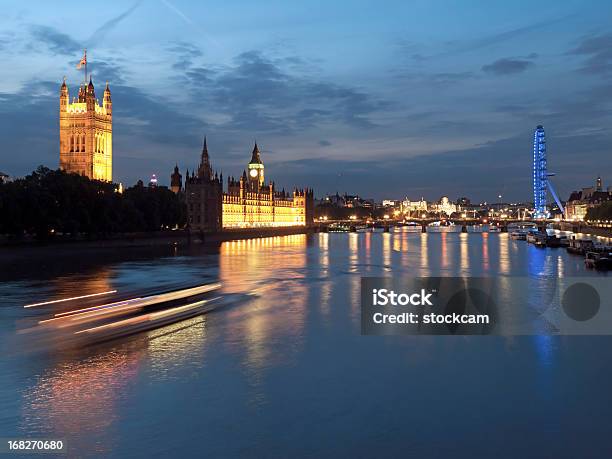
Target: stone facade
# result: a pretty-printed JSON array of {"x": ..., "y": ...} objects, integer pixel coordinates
[
  {"x": 248, "y": 202},
  {"x": 86, "y": 133}
]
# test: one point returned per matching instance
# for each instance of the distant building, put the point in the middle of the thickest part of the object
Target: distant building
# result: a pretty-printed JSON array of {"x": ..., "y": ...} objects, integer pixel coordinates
[
  {"x": 390, "y": 203},
  {"x": 86, "y": 133},
  {"x": 414, "y": 206},
  {"x": 581, "y": 201},
  {"x": 176, "y": 181},
  {"x": 347, "y": 200},
  {"x": 446, "y": 207},
  {"x": 248, "y": 201},
  {"x": 153, "y": 181},
  {"x": 5, "y": 178}
]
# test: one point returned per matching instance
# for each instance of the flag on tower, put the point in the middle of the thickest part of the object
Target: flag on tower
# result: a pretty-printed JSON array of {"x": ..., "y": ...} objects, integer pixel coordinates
[{"x": 83, "y": 60}]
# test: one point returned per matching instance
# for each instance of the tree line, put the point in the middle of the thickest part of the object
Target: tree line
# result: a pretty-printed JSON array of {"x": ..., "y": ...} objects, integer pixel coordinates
[
  {"x": 51, "y": 202},
  {"x": 601, "y": 212}
]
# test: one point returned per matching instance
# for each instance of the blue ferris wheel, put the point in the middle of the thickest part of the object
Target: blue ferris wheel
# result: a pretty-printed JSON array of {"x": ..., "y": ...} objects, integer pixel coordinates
[{"x": 541, "y": 181}]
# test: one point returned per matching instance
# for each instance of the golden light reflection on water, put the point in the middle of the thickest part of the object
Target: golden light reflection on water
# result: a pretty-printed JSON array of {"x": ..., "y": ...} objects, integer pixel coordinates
[
  {"x": 425, "y": 271},
  {"x": 504, "y": 256},
  {"x": 76, "y": 285},
  {"x": 78, "y": 398},
  {"x": 244, "y": 263},
  {"x": 354, "y": 281},
  {"x": 464, "y": 253},
  {"x": 176, "y": 347},
  {"x": 397, "y": 242},
  {"x": 324, "y": 273},
  {"x": 386, "y": 249},
  {"x": 368, "y": 248},
  {"x": 485, "y": 251},
  {"x": 444, "y": 250},
  {"x": 270, "y": 316}
]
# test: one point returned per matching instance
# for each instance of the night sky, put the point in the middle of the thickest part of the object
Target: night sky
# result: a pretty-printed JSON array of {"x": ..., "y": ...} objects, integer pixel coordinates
[{"x": 384, "y": 99}]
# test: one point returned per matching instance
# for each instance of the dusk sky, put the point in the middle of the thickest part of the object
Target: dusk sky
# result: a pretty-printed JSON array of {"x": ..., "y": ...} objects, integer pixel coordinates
[{"x": 384, "y": 99}]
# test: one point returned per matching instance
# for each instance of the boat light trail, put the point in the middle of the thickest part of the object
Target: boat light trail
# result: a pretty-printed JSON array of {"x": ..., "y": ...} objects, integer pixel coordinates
[
  {"x": 118, "y": 307},
  {"x": 70, "y": 299},
  {"x": 147, "y": 317}
]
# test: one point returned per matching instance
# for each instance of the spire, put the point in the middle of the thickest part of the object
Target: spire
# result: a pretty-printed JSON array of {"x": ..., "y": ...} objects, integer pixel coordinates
[
  {"x": 255, "y": 158},
  {"x": 205, "y": 170}
]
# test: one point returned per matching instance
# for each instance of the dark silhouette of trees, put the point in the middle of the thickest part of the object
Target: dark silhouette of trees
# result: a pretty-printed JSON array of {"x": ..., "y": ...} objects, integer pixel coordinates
[
  {"x": 601, "y": 212},
  {"x": 49, "y": 202}
]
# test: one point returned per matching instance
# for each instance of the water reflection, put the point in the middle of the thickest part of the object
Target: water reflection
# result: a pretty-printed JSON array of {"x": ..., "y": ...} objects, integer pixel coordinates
[
  {"x": 177, "y": 348},
  {"x": 292, "y": 330},
  {"x": 485, "y": 251},
  {"x": 444, "y": 250},
  {"x": 504, "y": 257},
  {"x": 77, "y": 399},
  {"x": 386, "y": 251},
  {"x": 464, "y": 253},
  {"x": 425, "y": 272},
  {"x": 270, "y": 316}
]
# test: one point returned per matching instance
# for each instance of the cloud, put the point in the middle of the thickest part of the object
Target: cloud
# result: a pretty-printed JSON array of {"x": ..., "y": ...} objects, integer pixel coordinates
[
  {"x": 260, "y": 93},
  {"x": 598, "y": 50},
  {"x": 56, "y": 41},
  {"x": 507, "y": 66}
]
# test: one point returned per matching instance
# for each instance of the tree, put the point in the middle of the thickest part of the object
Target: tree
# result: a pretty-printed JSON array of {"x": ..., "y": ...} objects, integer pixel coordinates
[{"x": 48, "y": 202}]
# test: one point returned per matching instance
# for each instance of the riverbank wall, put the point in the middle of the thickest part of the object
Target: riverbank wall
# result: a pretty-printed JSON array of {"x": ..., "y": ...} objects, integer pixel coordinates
[
  {"x": 578, "y": 227},
  {"x": 159, "y": 238}
]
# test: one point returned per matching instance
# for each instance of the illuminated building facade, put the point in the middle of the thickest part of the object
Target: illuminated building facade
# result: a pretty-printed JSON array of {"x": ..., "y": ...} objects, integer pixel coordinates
[
  {"x": 580, "y": 202},
  {"x": 248, "y": 202},
  {"x": 445, "y": 206},
  {"x": 414, "y": 206},
  {"x": 86, "y": 133}
]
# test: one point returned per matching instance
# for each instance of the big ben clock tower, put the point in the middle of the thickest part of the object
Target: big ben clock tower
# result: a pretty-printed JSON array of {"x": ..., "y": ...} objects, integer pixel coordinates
[{"x": 256, "y": 168}]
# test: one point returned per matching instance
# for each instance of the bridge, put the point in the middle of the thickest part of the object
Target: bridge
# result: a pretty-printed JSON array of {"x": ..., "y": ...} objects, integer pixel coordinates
[{"x": 387, "y": 223}]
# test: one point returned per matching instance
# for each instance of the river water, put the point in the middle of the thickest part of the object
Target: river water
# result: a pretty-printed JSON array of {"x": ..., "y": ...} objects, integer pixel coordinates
[{"x": 284, "y": 371}]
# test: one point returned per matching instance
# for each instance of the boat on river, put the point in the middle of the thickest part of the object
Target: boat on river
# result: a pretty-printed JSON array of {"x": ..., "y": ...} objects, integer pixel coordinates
[
  {"x": 519, "y": 230},
  {"x": 103, "y": 322},
  {"x": 601, "y": 261},
  {"x": 580, "y": 246}
]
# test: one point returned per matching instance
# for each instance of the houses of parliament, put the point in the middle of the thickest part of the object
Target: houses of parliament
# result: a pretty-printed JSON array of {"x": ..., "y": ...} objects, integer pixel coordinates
[
  {"x": 86, "y": 132},
  {"x": 86, "y": 148},
  {"x": 249, "y": 201}
]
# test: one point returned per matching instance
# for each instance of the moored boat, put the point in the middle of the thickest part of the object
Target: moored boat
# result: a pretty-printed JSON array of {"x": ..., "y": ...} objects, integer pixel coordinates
[
  {"x": 598, "y": 260},
  {"x": 580, "y": 246}
]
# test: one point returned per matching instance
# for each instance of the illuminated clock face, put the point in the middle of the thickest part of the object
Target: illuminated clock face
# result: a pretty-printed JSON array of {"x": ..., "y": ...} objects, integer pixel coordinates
[{"x": 253, "y": 173}]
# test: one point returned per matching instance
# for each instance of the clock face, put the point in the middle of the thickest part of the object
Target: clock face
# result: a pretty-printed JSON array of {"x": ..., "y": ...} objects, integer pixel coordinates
[{"x": 253, "y": 173}]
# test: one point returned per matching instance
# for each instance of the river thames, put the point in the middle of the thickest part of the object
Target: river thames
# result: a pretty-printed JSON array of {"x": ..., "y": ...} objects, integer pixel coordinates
[{"x": 283, "y": 370}]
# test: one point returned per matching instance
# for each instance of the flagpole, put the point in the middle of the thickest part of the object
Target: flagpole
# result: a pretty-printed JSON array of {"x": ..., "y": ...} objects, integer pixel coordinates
[{"x": 85, "y": 55}]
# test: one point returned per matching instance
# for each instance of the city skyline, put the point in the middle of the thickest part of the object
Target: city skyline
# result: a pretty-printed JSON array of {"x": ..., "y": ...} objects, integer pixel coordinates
[{"x": 389, "y": 103}]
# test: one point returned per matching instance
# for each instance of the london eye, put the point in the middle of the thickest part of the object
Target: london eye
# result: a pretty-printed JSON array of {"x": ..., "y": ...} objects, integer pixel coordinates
[{"x": 541, "y": 176}]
